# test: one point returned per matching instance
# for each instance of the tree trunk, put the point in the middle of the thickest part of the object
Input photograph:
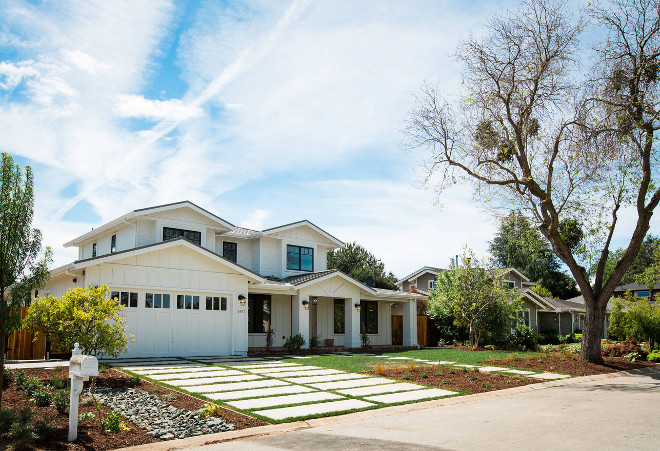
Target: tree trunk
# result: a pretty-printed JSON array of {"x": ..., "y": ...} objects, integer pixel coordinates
[
  {"x": 592, "y": 333},
  {"x": 3, "y": 348},
  {"x": 471, "y": 336}
]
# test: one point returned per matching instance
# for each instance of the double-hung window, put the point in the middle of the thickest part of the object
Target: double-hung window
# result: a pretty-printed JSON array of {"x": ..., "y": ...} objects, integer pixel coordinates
[
  {"x": 229, "y": 250},
  {"x": 299, "y": 258},
  {"x": 523, "y": 318}
]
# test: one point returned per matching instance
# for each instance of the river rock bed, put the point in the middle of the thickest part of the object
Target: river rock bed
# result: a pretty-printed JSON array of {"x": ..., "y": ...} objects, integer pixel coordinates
[{"x": 160, "y": 419}]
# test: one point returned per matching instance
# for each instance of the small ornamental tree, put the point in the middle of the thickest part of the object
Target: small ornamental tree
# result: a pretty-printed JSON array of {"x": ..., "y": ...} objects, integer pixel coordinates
[
  {"x": 85, "y": 316},
  {"x": 636, "y": 318},
  {"x": 478, "y": 298}
]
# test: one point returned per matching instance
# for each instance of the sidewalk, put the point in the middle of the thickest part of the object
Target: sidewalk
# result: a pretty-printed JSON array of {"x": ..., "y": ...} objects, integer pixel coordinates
[{"x": 14, "y": 364}]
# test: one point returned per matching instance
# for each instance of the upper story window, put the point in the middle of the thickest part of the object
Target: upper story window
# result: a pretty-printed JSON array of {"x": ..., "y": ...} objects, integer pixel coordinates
[
  {"x": 93, "y": 250},
  {"x": 170, "y": 233},
  {"x": 431, "y": 284},
  {"x": 510, "y": 284},
  {"x": 229, "y": 250},
  {"x": 113, "y": 244},
  {"x": 299, "y": 258},
  {"x": 643, "y": 294}
]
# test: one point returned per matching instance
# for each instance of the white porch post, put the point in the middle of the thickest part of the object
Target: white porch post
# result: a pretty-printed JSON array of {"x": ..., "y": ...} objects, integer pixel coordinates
[
  {"x": 410, "y": 323},
  {"x": 300, "y": 318},
  {"x": 352, "y": 318}
]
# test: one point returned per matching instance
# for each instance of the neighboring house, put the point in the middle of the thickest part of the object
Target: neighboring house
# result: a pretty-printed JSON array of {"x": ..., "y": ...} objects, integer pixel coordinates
[
  {"x": 194, "y": 284},
  {"x": 639, "y": 291},
  {"x": 538, "y": 313}
]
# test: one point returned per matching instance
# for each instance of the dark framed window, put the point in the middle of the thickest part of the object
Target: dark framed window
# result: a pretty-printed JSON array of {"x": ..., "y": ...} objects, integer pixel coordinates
[
  {"x": 126, "y": 298},
  {"x": 299, "y": 258},
  {"x": 340, "y": 316},
  {"x": 93, "y": 250},
  {"x": 369, "y": 317},
  {"x": 258, "y": 313},
  {"x": 156, "y": 300},
  {"x": 187, "y": 302},
  {"x": 230, "y": 250},
  {"x": 216, "y": 303},
  {"x": 113, "y": 244},
  {"x": 170, "y": 233}
]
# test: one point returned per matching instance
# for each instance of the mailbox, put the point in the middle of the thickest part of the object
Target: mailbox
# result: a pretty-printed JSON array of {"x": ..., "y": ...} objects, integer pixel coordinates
[{"x": 83, "y": 366}]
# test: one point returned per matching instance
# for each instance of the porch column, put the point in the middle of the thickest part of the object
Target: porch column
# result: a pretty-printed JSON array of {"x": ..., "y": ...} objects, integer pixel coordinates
[
  {"x": 410, "y": 323},
  {"x": 352, "y": 318},
  {"x": 300, "y": 318}
]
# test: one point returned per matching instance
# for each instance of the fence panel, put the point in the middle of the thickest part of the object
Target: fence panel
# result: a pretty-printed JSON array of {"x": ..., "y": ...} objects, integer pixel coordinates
[
  {"x": 21, "y": 345},
  {"x": 422, "y": 335}
]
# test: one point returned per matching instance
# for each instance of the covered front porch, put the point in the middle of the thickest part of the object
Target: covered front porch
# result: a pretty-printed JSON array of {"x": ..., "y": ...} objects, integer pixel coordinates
[{"x": 334, "y": 308}]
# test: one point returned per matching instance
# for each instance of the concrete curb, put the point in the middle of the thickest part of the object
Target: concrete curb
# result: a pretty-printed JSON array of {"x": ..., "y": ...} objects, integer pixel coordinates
[{"x": 271, "y": 429}]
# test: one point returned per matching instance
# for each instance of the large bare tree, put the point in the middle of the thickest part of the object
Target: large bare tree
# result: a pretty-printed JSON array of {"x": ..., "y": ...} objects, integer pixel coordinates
[{"x": 557, "y": 114}]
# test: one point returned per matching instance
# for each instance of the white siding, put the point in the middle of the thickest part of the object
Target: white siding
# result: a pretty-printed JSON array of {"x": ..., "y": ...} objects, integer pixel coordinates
[
  {"x": 59, "y": 285},
  {"x": 256, "y": 254},
  {"x": 304, "y": 233},
  {"x": 125, "y": 240},
  {"x": 280, "y": 322},
  {"x": 270, "y": 257},
  {"x": 244, "y": 251},
  {"x": 321, "y": 259},
  {"x": 146, "y": 232}
]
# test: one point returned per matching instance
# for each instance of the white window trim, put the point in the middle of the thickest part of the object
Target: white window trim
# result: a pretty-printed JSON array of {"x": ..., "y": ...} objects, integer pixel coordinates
[{"x": 432, "y": 284}]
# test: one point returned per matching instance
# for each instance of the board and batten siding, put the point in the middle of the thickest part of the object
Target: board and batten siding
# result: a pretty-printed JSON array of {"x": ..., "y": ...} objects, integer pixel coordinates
[
  {"x": 269, "y": 257},
  {"x": 244, "y": 250},
  {"x": 280, "y": 319},
  {"x": 178, "y": 270},
  {"x": 125, "y": 240}
]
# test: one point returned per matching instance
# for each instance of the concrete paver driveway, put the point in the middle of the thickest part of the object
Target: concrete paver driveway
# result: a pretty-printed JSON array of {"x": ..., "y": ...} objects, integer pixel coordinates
[{"x": 619, "y": 412}]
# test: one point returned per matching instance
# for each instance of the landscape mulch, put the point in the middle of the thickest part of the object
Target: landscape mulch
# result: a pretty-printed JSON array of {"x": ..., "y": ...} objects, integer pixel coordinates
[
  {"x": 90, "y": 435},
  {"x": 563, "y": 364},
  {"x": 440, "y": 376}
]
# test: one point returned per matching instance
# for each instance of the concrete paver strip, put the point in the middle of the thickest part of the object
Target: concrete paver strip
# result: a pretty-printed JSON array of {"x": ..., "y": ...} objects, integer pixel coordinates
[
  {"x": 272, "y": 401},
  {"x": 313, "y": 409},
  {"x": 415, "y": 395},
  {"x": 352, "y": 383},
  {"x": 236, "y": 386},
  {"x": 400, "y": 358},
  {"x": 261, "y": 365},
  {"x": 242, "y": 394},
  {"x": 521, "y": 372},
  {"x": 197, "y": 375},
  {"x": 380, "y": 389},
  {"x": 465, "y": 365},
  {"x": 284, "y": 368},
  {"x": 549, "y": 376},
  {"x": 319, "y": 372},
  {"x": 160, "y": 367},
  {"x": 179, "y": 370},
  {"x": 490, "y": 369},
  {"x": 212, "y": 380},
  {"x": 328, "y": 378},
  {"x": 442, "y": 362}
]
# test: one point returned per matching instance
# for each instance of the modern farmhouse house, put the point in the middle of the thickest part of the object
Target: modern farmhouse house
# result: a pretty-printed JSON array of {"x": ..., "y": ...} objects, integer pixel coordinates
[{"x": 191, "y": 283}]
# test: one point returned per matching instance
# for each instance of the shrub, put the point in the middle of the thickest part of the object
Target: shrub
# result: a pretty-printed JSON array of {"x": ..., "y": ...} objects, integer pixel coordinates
[
  {"x": 490, "y": 347},
  {"x": 21, "y": 427},
  {"x": 632, "y": 356},
  {"x": 86, "y": 416},
  {"x": 314, "y": 343},
  {"x": 424, "y": 374},
  {"x": 169, "y": 397},
  {"x": 406, "y": 376},
  {"x": 442, "y": 342},
  {"x": 31, "y": 385},
  {"x": 366, "y": 341},
  {"x": 209, "y": 410},
  {"x": 42, "y": 397},
  {"x": 570, "y": 338},
  {"x": 524, "y": 339},
  {"x": 113, "y": 422},
  {"x": 654, "y": 356},
  {"x": 20, "y": 376},
  {"x": 624, "y": 348},
  {"x": 294, "y": 343},
  {"x": 7, "y": 375},
  {"x": 61, "y": 401},
  {"x": 57, "y": 382},
  {"x": 135, "y": 381},
  {"x": 380, "y": 369}
]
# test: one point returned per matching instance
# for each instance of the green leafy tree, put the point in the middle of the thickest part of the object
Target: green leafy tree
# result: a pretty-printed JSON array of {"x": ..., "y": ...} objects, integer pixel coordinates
[
  {"x": 650, "y": 275},
  {"x": 518, "y": 244},
  {"x": 541, "y": 291},
  {"x": 85, "y": 316},
  {"x": 636, "y": 318},
  {"x": 362, "y": 265},
  {"x": 21, "y": 269},
  {"x": 642, "y": 268},
  {"x": 478, "y": 299},
  {"x": 533, "y": 128}
]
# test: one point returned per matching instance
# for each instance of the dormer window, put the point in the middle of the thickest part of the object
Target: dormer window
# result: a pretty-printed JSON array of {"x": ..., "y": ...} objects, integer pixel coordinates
[
  {"x": 113, "y": 244},
  {"x": 299, "y": 258},
  {"x": 229, "y": 250},
  {"x": 93, "y": 250},
  {"x": 193, "y": 236},
  {"x": 431, "y": 284}
]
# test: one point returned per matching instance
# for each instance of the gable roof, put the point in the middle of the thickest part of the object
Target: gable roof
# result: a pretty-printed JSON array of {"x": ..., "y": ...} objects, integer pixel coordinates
[
  {"x": 537, "y": 299},
  {"x": 145, "y": 211},
  {"x": 410, "y": 277},
  {"x": 303, "y": 223},
  {"x": 307, "y": 279},
  {"x": 180, "y": 241},
  {"x": 635, "y": 287}
]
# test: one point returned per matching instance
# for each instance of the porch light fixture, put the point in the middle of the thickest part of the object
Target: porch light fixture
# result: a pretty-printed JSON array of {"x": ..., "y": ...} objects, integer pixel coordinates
[
  {"x": 315, "y": 300},
  {"x": 305, "y": 304},
  {"x": 357, "y": 306},
  {"x": 241, "y": 299}
]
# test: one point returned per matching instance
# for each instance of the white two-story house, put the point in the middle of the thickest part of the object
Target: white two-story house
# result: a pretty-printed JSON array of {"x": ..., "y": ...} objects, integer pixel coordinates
[{"x": 192, "y": 283}]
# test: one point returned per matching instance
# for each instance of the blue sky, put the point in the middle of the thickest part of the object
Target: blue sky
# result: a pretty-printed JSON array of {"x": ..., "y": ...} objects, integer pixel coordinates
[{"x": 262, "y": 112}]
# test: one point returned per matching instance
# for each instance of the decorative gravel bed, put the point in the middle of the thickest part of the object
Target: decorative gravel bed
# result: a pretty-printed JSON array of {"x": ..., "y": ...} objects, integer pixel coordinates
[{"x": 159, "y": 418}]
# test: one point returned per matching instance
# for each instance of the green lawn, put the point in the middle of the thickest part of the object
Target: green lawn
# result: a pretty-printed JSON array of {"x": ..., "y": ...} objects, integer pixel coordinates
[{"x": 357, "y": 363}]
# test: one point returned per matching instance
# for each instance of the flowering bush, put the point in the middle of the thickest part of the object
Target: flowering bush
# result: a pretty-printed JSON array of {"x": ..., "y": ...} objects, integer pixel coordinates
[{"x": 623, "y": 349}]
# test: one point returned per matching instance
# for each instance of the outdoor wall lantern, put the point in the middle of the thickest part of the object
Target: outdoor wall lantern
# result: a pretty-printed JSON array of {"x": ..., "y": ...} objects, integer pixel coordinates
[
  {"x": 241, "y": 299},
  {"x": 315, "y": 300},
  {"x": 305, "y": 304},
  {"x": 357, "y": 306}
]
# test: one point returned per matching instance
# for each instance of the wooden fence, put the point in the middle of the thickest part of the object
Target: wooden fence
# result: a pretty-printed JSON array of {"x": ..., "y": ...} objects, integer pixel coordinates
[
  {"x": 21, "y": 344},
  {"x": 422, "y": 330}
]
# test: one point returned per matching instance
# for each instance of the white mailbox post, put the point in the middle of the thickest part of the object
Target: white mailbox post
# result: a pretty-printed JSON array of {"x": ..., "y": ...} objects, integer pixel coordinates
[{"x": 81, "y": 368}]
